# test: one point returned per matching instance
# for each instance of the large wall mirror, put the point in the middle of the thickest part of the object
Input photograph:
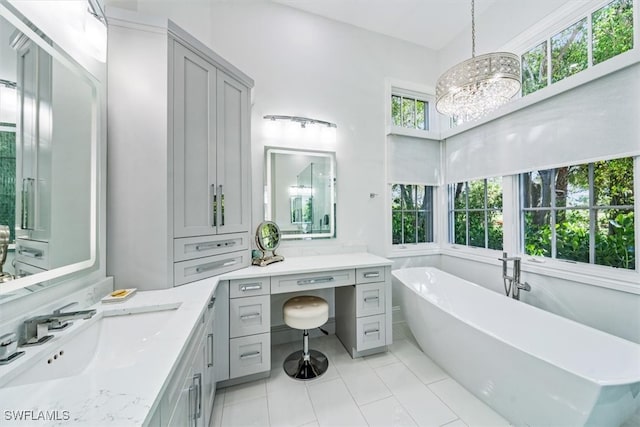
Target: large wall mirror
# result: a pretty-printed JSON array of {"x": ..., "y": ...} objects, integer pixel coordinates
[
  {"x": 49, "y": 115},
  {"x": 300, "y": 197}
]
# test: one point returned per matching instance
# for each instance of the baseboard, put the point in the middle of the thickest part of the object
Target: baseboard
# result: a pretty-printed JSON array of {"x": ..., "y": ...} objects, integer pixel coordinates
[{"x": 282, "y": 334}]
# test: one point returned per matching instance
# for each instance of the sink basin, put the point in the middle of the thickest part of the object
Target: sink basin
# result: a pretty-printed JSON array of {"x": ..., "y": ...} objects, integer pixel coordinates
[{"x": 106, "y": 341}]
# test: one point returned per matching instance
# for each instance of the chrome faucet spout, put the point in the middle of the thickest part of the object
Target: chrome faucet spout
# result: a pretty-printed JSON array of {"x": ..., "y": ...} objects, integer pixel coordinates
[{"x": 36, "y": 328}]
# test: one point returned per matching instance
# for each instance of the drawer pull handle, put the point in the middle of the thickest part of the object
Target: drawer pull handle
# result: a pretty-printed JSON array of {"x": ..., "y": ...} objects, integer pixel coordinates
[
  {"x": 374, "y": 331},
  {"x": 251, "y": 287},
  {"x": 215, "y": 265},
  {"x": 214, "y": 245},
  {"x": 31, "y": 253},
  {"x": 315, "y": 280},
  {"x": 371, "y": 275},
  {"x": 250, "y": 355},
  {"x": 369, "y": 299},
  {"x": 250, "y": 316}
]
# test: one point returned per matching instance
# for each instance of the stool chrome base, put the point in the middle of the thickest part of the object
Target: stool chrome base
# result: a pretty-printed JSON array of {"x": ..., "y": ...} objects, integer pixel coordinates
[{"x": 297, "y": 367}]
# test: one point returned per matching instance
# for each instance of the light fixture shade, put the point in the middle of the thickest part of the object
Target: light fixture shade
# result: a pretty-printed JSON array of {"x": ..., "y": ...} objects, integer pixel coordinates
[{"x": 473, "y": 88}]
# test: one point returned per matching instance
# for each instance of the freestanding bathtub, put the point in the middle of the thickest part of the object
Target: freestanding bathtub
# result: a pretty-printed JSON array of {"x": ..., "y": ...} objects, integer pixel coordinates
[{"x": 533, "y": 367}]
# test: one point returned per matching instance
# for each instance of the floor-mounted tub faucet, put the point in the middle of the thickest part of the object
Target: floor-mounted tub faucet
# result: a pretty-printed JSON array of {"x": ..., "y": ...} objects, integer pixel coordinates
[{"x": 512, "y": 284}]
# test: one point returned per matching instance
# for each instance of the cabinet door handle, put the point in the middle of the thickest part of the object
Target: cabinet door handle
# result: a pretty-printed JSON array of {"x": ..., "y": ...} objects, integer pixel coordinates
[
  {"x": 214, "y": 206},
  {"x": 221, "y": 205},
  {"x": 315, "y": 280},
  {"x": 198, "y": 404},
  {"x": 192, "y": 404},
  {"x": 28, "y": 204},
  {"x": 369, "y": 299},
  {"x": 214, "y": 245},
  {"x": 251, "y": 287},
  {"x": 371, "y": 275},
  {"x": 374, "y": 331},
  {"x": 251, "y": 355},
  {"x": 214, "y": 265},
  {"x": 210, "y": 355},
  {"x": 31, "y": 253},
  {"x": 250, "y": 316}
]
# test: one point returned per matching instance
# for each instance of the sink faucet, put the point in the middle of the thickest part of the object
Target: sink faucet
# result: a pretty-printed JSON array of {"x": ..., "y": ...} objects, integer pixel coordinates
[
  {"x": 37, "y": 328},
  {"x": 512, "y": 284}
]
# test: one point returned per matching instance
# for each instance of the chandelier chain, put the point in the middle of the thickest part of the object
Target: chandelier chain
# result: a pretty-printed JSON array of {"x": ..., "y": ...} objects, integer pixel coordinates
[{"x": 473, "y": 29}]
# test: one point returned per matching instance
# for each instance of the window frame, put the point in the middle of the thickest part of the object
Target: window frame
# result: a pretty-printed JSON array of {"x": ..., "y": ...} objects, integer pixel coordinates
[
  {"x": 451, "y": 211},
  {"x": 592, "y": 209},
  {"x": 394, "y": 87},
  {"x": 564, "y": 24}
]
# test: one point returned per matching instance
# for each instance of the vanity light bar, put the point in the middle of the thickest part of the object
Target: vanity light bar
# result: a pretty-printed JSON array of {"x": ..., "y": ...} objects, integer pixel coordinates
[{"x": 304, "y": 121}]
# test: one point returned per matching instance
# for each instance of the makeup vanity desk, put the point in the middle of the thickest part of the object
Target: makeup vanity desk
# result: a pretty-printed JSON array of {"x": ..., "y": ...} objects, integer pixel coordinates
[{"x": 362, "y": 289}]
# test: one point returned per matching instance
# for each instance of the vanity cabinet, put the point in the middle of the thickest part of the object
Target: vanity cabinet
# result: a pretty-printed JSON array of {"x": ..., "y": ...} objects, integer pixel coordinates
[
  {"x": 188, "y": 400},
  {"x": 179, "y": 157}
]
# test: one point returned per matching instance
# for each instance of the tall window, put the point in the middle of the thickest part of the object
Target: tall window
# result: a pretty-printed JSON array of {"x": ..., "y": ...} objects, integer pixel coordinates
[
  {"x": 475, "y": 213},
  {"x": 412, "y": 214},
  {"x": 570, "y": 50},
  {"x": 582, "y": 213},
  {"x": 409, "y": 112},
  {"x": 8, "y": 177}
]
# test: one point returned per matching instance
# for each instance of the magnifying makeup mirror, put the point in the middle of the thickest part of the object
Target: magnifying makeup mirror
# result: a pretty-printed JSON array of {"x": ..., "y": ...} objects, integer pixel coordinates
[{"x": 267, "y": 239}]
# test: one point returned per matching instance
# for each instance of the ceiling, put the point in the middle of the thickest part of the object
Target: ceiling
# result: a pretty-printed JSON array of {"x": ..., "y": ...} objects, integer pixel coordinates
[{"x": 429, "y": 23}]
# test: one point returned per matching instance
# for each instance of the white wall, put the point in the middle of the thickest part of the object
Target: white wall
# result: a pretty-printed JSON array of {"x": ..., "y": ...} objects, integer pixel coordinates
[{"x": 310, "y": 66}]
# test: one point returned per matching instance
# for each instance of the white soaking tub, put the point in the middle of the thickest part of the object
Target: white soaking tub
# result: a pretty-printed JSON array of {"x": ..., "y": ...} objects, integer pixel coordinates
[{"x": 533, "y": 367}]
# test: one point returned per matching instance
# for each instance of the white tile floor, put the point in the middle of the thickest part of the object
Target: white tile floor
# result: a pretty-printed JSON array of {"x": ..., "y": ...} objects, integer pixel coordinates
[{"x": 402, "y": 387}]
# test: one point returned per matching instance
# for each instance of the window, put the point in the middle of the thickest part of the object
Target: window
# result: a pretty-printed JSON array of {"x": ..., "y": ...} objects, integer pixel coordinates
[
  {"x": 611, "y": 28},
  {"x": 8, "y": 177},
  {"x": 409, "y": 112},
  {"x": 475, "y": 213},
  {"x": 534, "y": 69},
  {"x": 582, "y": 213},
  {"x": 411, "y": 214}
]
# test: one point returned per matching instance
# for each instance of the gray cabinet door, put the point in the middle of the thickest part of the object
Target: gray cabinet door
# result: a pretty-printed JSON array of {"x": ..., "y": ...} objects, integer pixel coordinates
[
  {"x": 234, "y": 214},
  {"x": 194, "y": 143}
]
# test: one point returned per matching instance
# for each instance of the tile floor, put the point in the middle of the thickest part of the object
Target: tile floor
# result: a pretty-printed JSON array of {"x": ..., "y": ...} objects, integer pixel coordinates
[{"x": 402, "y": 387}]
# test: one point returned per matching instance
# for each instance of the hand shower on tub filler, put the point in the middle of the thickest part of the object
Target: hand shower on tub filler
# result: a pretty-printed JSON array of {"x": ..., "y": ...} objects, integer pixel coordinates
[{"x": 512, "y": 285}]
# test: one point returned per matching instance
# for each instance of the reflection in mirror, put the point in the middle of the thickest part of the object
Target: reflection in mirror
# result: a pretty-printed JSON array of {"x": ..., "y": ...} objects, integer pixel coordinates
[
  {"x": 47, "y": 159},
  {"x": 301, "y": 192}
]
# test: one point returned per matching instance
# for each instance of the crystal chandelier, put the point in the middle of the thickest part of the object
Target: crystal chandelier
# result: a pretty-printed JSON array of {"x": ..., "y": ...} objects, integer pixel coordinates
[{"x": 472, "y": 88}]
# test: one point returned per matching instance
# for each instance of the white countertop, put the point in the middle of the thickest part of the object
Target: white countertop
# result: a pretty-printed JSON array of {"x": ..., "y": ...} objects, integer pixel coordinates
[
  {"x": 127, "y": 396},
  {"x": 309, "y": 264}
]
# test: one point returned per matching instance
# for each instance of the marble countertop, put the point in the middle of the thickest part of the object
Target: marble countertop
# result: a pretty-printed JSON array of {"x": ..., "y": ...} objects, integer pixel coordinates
[
  {"x": 129, "y": 396},
  {"x": 124, "y": 396}
]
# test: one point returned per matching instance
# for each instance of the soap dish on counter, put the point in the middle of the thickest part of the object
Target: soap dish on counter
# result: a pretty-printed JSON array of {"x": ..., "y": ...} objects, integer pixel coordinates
[{"x": 119, "y": 295}]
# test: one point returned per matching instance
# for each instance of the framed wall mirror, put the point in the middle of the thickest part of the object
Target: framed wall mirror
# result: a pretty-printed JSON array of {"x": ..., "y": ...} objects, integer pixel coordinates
[
  {"x": 49, "y": 119},
  {"x": 300, "y": 192}
]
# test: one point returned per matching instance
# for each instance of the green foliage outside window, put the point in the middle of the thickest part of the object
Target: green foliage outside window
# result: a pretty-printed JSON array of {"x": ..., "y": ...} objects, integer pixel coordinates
[
  {"x": 8, "y": 180},
  {"x": 612, "y": 34},
  {"x": 476, "y": 213},
  {"x": 534, "y": 69},
  {"x": 412, "y": 214},
  {"x": 562, "y": 207},
  {"x": 612, "y": 28},
  {"x": 409, "y": 112},
  {"x": 569, "y": 51}
]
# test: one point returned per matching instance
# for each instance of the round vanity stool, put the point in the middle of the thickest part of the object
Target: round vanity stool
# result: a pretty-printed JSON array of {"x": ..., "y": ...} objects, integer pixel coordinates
[{"x": 305, "y": 312}]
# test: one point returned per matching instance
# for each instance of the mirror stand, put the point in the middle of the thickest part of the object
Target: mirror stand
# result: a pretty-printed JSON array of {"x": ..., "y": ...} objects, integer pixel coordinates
[{"x": 267, "y": 240}]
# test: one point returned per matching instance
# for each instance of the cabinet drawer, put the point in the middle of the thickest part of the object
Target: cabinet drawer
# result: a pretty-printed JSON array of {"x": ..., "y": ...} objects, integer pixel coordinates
[
  {"x": 370, "y": 299},
  {"x": 33, "y": 252},
  {"x": 319, "y": 280},
  {"x": 201, "y": 268},
  {"x": 249, "y": 316},
  {"x": 249, "y": 287},
  {"x": 249, "y": 355},
  {"x": 370, "y": 274},
  {"x": 370, "y": 332},
  {"x": 202, "y": 246}
]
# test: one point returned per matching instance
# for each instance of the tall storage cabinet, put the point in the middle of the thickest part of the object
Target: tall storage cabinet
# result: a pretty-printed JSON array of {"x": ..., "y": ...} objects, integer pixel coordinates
[{"x": 179, "y": 157}]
